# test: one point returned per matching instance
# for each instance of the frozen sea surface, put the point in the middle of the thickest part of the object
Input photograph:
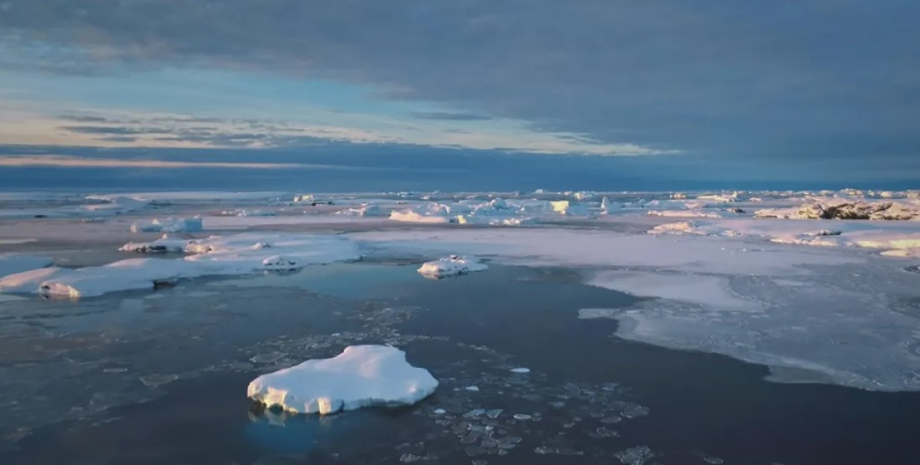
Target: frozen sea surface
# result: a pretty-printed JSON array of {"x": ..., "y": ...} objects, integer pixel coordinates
[{"x": 145, "y": 378}]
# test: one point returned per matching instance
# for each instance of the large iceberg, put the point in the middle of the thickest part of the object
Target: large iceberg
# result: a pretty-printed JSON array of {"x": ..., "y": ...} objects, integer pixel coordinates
[
  {"x": 453, "y": 265},
  {"x": 361, "y": 376}
]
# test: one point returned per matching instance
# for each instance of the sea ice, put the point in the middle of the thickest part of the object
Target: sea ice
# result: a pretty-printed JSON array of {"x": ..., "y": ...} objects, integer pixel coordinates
[
  {"x": 168, "y": 225},
  {"x": 213, "y": 256},
  {"x": 361, "y": 376},
  {"x": 14, "y": 263},
  {"x": 451, "y": 266}
]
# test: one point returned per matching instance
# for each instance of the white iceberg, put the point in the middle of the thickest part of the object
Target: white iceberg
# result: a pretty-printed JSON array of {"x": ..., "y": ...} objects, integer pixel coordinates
[
  {"x": 162, "y": 245},
  {"x": 452, "y": 266},
  {"x": 168, "y": 225},
  {"x": 361, "y": 376},
  {"x": 14, "y": 263}
]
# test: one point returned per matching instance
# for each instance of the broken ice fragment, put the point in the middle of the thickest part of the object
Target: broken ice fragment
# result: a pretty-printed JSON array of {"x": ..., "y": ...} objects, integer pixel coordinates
[
  {"x": 634, "y": 455},
  {"x": 520, "y": 370}
]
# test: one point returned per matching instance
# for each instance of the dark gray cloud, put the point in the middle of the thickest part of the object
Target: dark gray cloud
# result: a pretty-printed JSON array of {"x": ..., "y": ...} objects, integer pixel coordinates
[
  {"x": 780, "y": 79},
  {"x": 449, "y": 116}
]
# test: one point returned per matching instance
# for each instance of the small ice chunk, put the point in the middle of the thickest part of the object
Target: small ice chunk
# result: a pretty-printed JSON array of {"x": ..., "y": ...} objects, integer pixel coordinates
[
  {"x": 440, "y": 411},
  {"x": 361, "y": 376},
  {"x": 522, "y": 416},
  {"x": 281, "y": 263},
  {"x": 520, "y": 370},
  {"x": 168, "y": 225},
  {"x": 472, "y": 388},
  {"x": 451, "y": 266}
]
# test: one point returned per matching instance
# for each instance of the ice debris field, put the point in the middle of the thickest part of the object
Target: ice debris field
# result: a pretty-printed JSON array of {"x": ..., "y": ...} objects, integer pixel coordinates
[{"x": 769, "y": 277}]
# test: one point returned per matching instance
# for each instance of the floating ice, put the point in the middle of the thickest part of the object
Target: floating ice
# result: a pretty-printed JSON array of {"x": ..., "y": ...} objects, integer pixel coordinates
[
  {"x": 845, "y": 209},
  {"x": 635, "y": 455},
  {"x": 164, "y": 244},
  {"x": 451, "y": 266},
  {"x": 361, "y": 376},
  {"x": 520, "y": 370},
  {"x": 168, "y": 225},
  {"x": 364, "y": 210},
  {"x": 213, "y": 256}
]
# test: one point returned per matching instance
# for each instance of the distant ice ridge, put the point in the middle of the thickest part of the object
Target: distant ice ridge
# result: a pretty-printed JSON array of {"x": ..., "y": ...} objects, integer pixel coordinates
[
  {"x": 214, "y": 256},
  {"x": 846, "y": 209},
  {"x": 892, "y": 238},
  {"x": 453, "y": 265},
  {"x": 364, "y": 210},
  {"x": 168, "y": 225},
  {"x": 361, "y": 376}
]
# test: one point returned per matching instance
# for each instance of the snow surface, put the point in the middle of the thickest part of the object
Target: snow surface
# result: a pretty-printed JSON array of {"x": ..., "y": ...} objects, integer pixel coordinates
[
  {"x": 453, "y": 265},
  {"x": 361, "y": 376},
  {"x": 891, "y": 238},
  {"x": 214, "y": 256}
]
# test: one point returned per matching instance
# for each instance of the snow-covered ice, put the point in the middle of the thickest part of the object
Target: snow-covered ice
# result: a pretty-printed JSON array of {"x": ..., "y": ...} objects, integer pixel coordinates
[
  {"x": 168, "y": 225},
  {"x": 361, "y": 376},
  {"x": 453, "y": 265},
  {"x": 213, "y": 256}
]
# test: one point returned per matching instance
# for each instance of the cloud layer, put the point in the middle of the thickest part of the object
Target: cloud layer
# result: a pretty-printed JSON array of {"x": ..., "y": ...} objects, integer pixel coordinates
[{"x": 724, "y": 78}]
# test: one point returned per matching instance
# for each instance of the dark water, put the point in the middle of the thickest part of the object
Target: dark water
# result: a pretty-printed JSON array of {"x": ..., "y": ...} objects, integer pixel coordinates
[{"x": 591, "y": 398}]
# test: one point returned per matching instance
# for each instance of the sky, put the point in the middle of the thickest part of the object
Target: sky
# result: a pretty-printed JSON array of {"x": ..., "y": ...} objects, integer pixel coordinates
[{"x": 639, "y": 93}]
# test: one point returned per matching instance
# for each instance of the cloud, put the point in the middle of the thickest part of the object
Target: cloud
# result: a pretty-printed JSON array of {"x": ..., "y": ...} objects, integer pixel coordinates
[
  {"x": 66, "y": 161},
  {"x": 785, "y": 79},
  {"x": 81, "y": 162},
  {"x": 448, "y": 116}
]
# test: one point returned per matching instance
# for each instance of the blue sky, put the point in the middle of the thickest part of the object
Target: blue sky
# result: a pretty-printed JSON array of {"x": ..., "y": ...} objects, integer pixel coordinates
[{"x": 711, "y": 89}]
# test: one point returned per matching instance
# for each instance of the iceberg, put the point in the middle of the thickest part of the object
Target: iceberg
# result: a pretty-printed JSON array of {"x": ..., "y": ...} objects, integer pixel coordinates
[
  {"x": 168, "y": 225},
  {"x": 453, "y": 265},
  {"x": 361, "y": 376}
]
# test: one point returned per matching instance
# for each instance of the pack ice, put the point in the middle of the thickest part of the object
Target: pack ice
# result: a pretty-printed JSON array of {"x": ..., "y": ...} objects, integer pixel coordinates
[
  {"x": 237, "y": 254},
  {"x": 361, "y": 376}
]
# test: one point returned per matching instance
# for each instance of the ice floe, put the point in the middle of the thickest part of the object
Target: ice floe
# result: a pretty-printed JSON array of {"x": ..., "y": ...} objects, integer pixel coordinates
[
  {"x": 453, "y": 265},
  {"x": 168, "y": 225},
  {"x": 361, "y": 376},
  {"x": 213, "y": 256}
]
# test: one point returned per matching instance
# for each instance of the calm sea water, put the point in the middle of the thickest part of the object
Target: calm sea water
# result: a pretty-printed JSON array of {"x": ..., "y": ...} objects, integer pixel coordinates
[{"x": 130, "y": 379}]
